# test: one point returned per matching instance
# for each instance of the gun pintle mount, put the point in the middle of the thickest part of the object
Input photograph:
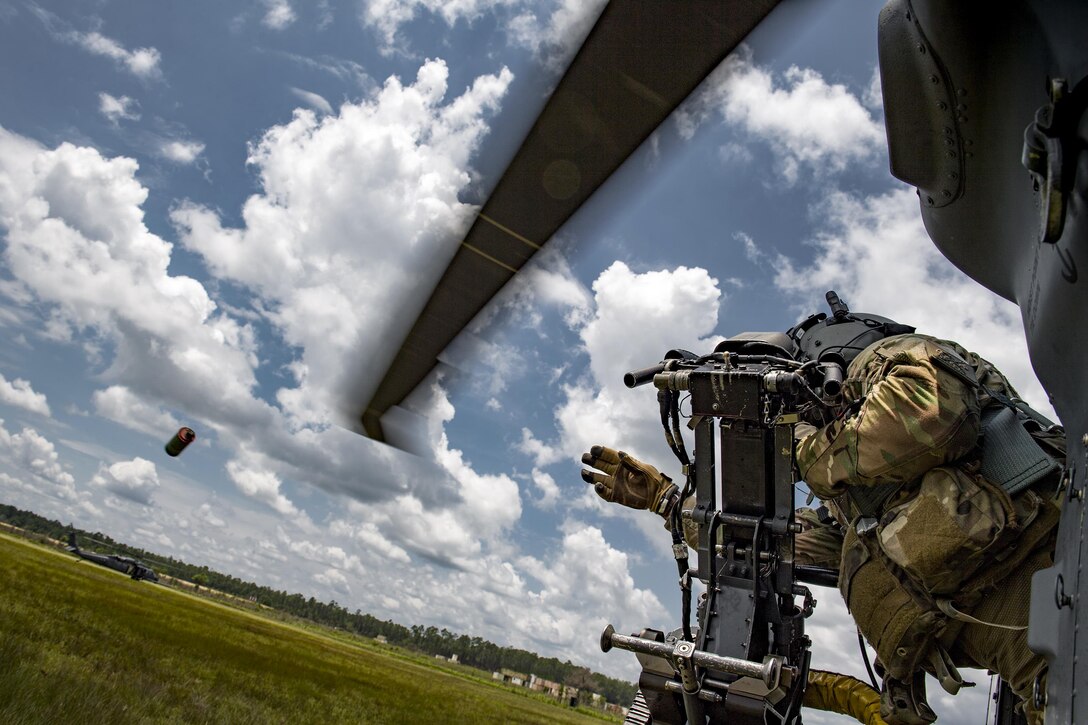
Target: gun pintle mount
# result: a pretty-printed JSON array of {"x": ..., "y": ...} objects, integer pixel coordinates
[{"x": 748, "y": 659}]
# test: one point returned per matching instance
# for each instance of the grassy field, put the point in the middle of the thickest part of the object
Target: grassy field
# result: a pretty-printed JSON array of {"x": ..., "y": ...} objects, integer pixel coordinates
[{"x": 80, "y": 643}]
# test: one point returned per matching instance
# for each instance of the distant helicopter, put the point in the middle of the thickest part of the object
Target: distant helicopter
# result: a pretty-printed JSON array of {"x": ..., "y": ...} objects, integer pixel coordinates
[
  {"x": 124, "y": 564},
  {"x": 986, "y": 110}
]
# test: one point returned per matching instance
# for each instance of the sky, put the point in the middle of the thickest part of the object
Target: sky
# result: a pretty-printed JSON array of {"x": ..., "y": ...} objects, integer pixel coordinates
[{"x": 211, "y": 212}]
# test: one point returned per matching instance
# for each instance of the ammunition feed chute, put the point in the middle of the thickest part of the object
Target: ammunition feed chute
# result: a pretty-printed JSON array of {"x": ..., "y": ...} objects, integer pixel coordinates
[{"x": 748, "y": 659}]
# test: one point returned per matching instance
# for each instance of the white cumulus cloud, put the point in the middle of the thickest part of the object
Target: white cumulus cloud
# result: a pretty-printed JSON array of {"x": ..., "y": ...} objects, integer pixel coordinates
[
  {"x": 278, "y": 14},
  {"x": 388, "y": 16},
  {"x": 632, "y": 326},
  {"x": 19, "y": 393},
  {"x": 135, "y": 480},
  {"x": 541, "y": 453},
  {"x": 334, "y": 579},
  {"x": 115, "y": 109},
  {"x": 260, "y": 483},
  {"x": 76, "y": 242},
  {"x": 807, "y": 122},
  {"x": 181, "y": 151},
  {"x": 586, "y": 585},
  {"x": 123, "y": 406},
  {"x": 356, "y": 210},
  {"x": 313, "y": 100},
  {"x": 342, "y": 196},
  {"x": 33, "y": 453},
  {"x": 208, "y": 515},
  {"x": 875, "y": 253},
  {"x": 555, "y": 31},
  {"x": 141, "y": 62},
  {"x": 548, "y": 488}
]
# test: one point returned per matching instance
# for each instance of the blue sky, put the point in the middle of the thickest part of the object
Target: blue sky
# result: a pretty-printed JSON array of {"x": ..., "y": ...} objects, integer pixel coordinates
[{"x": 212, "y": 212}]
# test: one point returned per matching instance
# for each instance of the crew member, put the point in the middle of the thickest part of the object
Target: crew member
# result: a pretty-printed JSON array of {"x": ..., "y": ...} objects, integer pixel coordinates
[{"x": 940, "y": 501}]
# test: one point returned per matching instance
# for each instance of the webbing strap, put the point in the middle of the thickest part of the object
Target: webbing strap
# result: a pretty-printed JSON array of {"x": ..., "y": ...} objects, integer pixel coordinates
[
  {"x": 1021, "y": 407},
  {"x": 946, "y": 606}
]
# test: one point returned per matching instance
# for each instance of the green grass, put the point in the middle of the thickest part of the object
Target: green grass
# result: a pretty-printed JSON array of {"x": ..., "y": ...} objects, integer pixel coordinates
[{"x": 80, "y": 643}]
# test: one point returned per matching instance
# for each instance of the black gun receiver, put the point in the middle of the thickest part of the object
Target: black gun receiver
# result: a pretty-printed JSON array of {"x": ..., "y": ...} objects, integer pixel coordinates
[{"x": 748, "y": 659}]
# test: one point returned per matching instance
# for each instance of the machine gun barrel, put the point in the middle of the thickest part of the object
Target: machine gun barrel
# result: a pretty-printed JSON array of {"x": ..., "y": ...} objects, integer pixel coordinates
[
  {"x": 636, "y": 378},
  {"x": 769, "y": 671},
  {"x": 818, "y": 575},
  {"x": 832, "y": 379}
]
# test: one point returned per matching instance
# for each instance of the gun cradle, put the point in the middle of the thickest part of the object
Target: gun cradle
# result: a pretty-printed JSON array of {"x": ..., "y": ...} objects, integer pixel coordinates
[{"x": 748, "y": 661}]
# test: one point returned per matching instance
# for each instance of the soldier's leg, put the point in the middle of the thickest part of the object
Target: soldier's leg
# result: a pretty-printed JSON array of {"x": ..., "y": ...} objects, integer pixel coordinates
[
  {"x": 820, "y": 540},
  {"x": 1005, "y": 651}
]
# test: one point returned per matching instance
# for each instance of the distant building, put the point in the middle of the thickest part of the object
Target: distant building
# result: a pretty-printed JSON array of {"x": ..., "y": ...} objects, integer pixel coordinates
[
  {"x": 570, "y": 695},
  {"x": 539, "y": 684},
  {"x": 454, "y": 658},
  {"x": 440, "y": 657},
  {"x": 614, "y": 709},
  {"x": 514, "y": 678},
  {"x": 496, "y": 676},
  {"x": 380, "y": 639}
]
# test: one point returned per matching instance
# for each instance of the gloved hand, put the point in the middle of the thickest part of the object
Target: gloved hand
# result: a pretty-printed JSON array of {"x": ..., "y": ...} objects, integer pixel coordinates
[{"x": 629, "y": 481}]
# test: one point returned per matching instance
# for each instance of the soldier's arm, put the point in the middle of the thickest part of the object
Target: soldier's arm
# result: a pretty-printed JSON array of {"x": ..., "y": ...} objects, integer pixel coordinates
[{"x": 909, "y": 414}]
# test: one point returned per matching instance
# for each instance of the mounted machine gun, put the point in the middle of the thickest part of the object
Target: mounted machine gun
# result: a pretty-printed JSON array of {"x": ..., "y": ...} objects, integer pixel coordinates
[{"x": 748, "y": 659}]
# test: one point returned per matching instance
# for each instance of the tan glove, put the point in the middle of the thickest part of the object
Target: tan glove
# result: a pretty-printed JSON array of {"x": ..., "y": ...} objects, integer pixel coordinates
[{"x": 629, "y": 481}]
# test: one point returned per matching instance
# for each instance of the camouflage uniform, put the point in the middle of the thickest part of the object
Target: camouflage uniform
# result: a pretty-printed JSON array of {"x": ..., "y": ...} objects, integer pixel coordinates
[
  {"x": 820, "y": 540},
  {"x": 925, "y": 539}
]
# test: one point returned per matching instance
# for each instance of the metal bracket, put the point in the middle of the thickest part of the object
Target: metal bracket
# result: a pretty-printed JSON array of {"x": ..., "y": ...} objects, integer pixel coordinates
[
  {"x": 1043, "y": 157},
  {"x": 1061, "y": 599},
  {"x": 1038, "y": 693},
  {"x": 684, "y": 653}
]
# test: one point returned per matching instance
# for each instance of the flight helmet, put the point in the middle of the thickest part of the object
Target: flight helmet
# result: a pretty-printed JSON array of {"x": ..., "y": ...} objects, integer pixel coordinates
[{"x": 842, "y": 336}]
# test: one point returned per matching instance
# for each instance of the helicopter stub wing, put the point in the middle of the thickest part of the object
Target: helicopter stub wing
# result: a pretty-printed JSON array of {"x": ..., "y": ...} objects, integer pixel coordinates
[{"x": 638, "y": 63}]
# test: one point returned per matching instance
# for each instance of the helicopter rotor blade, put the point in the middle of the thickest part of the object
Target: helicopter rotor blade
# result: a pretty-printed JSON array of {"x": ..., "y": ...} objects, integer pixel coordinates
[{"x": 640, "y": 60}]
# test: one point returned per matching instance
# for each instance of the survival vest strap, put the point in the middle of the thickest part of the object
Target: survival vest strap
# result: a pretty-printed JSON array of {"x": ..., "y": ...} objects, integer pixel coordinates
[{"x": 1009, "y": 456}]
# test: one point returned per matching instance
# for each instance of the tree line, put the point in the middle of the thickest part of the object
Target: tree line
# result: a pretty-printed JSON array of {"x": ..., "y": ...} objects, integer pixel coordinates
[{"x": 471, "y": 651}]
